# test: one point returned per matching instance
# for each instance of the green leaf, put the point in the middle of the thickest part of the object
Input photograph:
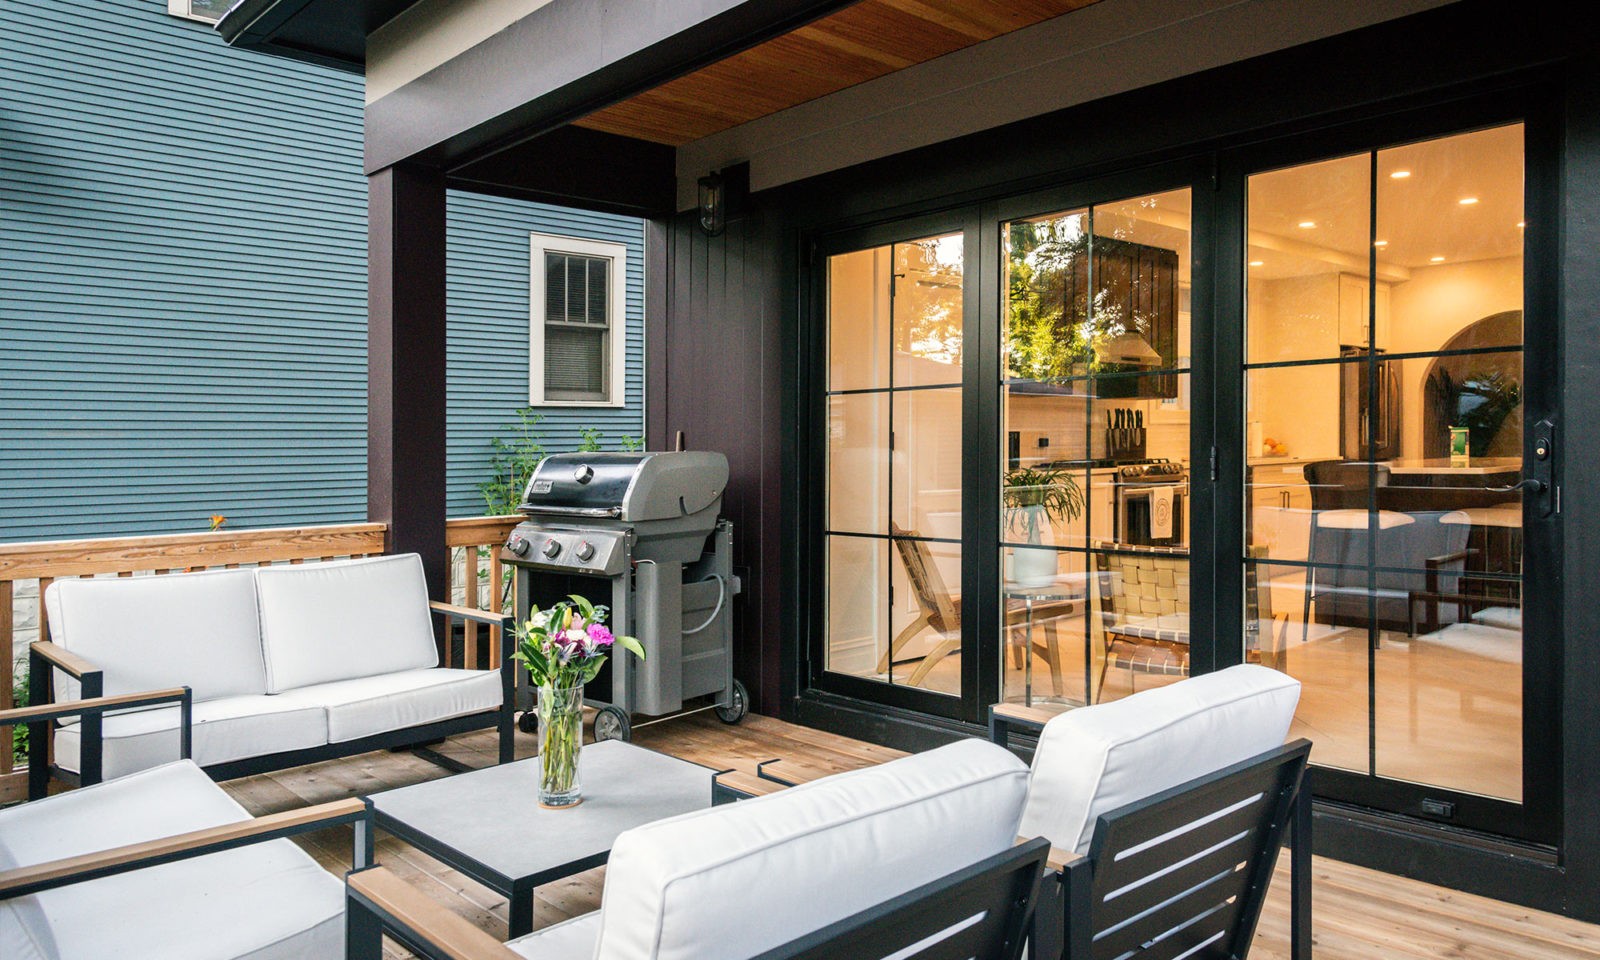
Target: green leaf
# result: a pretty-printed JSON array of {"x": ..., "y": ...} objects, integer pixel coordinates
[
  {"x": 584, "y": 607},
  {"x": 632, "y": 646}
]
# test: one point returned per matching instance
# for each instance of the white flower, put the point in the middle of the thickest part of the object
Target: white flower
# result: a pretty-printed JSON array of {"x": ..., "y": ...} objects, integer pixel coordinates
[
  {"x": 541, "y": 619},
  {"x": 577, "y": 636}
]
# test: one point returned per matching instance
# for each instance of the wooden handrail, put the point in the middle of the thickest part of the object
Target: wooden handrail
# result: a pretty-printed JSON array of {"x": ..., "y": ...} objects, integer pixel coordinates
[
  {"x": 183, "y": 551},
  {"x": 479, "y": 531},
  {"x": 469, "y": 535}
]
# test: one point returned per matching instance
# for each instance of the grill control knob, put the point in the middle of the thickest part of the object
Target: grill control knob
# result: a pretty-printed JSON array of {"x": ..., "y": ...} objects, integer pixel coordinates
[
  {"x": 584, "y": 473},
  {"x": 585, "y": 551},
  {"x": 518, "y": 546},
  {"x": 552, "y": 548}
]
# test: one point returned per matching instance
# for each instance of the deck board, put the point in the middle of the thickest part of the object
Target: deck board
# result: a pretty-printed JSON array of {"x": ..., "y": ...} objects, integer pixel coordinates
[{"x": 1359, "y": 913}]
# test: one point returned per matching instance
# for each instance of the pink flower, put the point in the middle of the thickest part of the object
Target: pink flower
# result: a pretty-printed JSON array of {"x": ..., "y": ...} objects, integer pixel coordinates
[{"x": 599, "y": 635}]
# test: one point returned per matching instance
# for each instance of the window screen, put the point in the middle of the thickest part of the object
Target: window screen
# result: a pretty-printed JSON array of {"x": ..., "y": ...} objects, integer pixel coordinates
[{"x": 577, "y": 326}]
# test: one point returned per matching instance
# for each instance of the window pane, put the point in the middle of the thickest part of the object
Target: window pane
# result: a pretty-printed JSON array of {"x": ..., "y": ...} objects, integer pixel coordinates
[
  {"x": 555, "y": 287},
  {"x": 927, "y": 462},
  {"x": 858, "y": 606},
  {"x": 927, "y": 591},
  {"x": 1309, "y": 260},
  {"x": 598, "y": 289},
  {"x": 577, "y": 283},
  {"x": 858, "y": 463},
  {"x": 928, "y": 311},
  {"x": 1048, "y": 655},
  {"x": 1047, "y": 338},
  {"x": 858, "y": 319},
  {"x": 574, "y": 363}
]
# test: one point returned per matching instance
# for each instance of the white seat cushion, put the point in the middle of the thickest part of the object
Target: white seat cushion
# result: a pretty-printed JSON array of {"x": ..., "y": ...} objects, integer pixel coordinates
[
  {"x": 322, "y": 622},
  {"x": 1093, "y": 760},
  {"x": 147, "y": 633},
  {"x": 573, "y": 939},
  {"x": 265, "y": 901},
  {"x": 369, "y": 705},
  {"x": 732, "y": 881},
  {"x": 1359, "y": 519},
  {"x": 232, "y": 728}
]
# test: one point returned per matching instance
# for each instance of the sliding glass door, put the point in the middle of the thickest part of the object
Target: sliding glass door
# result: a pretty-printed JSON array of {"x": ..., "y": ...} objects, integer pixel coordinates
[{"x": 1396, "y": 472}]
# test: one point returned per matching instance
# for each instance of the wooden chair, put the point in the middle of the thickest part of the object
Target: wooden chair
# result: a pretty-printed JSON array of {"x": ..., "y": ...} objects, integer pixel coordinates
[
  {"x": 1143, "y": 613},
  {"x": 940, "y": 611}
]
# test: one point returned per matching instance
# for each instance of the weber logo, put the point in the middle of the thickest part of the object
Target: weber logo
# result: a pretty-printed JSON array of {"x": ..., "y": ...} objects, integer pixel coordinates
[{"x": 541, "y": 486}]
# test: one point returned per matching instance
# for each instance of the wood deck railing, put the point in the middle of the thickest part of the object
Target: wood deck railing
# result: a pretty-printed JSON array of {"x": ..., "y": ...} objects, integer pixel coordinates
[{"x": 28, "y": 569}]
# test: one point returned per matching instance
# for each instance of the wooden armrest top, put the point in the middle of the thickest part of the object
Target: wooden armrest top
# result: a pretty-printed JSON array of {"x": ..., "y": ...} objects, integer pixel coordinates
[
  {"x": 482, "y": 616},
  {"x": 45, "y": 711},
  {"x": 63, "y": 658},
  {"x": 1017, "y": 713},
  {"x": 748, "y": 784},
  {"x": 119, "y": 859},
  {"x": 1058, "y": 858},
  {"x": 447, "y": 931}
]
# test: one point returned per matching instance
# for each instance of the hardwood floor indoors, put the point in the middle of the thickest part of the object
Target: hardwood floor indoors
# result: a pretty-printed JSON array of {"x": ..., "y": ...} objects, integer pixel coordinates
[{"x": 1359, "y": 914}]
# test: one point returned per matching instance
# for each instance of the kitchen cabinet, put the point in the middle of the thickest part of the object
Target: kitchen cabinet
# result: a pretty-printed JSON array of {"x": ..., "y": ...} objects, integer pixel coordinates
[{"x": 1354, "y": 304}]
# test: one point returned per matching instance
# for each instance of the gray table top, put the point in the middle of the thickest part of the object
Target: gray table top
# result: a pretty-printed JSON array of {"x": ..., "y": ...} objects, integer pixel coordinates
[{"x": 493, "y": 817}]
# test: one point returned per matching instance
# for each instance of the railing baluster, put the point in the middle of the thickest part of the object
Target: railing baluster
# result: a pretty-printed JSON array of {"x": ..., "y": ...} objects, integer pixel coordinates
[
  {"x": 44, "y": 616},
  {"x": 497, "y": 604},
  {"x": 470, "y": 595},
  {"x": 7, "y": 678}
]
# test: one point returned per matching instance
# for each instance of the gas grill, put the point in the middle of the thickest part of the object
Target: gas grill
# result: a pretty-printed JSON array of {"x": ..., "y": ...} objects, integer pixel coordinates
[{"x": 641, "y": 533}]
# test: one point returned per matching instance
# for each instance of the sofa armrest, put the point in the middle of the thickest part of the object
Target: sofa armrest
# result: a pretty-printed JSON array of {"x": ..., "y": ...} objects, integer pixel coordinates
[
  {"x": 378, "y": 902},
  {"x": 22, "y": 881},
  {"x": 42, "y": 712},
  {"x": 74, "y": 665},
  {"x": 503, "y": 620}
]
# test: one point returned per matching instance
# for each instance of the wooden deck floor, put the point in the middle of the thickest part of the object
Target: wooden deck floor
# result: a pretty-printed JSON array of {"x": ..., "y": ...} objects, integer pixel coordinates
[{"x": 1359, "y": 914}]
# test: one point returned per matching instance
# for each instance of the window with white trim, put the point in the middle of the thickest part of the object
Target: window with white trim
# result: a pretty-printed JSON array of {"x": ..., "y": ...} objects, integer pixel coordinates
[
  {"x": 576, "y": 321},
  {"x": 206, "y": 11}
]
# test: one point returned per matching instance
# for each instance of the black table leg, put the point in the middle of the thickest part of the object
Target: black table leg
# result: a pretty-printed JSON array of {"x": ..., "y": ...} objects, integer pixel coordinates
[{"x": 521, "y": 906}]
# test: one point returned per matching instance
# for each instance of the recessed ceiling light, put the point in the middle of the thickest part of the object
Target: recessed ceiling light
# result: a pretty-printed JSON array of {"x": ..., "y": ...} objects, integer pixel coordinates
[
  {"x": 1380, "y": 243},
  {"x": 1257, "y": 263},
  {"x": 1399, "y": 174},
  {"x": 1522, "y": 223},
  {"x": 1436, "y": 259},
  {"x": 1307, "y": 224},
  {"x": 1467, "y": 201}
]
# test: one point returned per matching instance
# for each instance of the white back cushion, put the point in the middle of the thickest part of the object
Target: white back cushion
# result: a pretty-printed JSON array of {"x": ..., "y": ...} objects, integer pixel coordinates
[
  {"x": 345, "y": 619},
  {"x": 198, "y": 629},
  {"x": 1093, "y": 760},
  {"x": 735, "y": 880}
]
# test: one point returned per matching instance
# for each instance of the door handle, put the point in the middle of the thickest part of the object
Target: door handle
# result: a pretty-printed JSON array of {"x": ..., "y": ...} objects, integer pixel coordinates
[{"x": 1528, "y": 485}]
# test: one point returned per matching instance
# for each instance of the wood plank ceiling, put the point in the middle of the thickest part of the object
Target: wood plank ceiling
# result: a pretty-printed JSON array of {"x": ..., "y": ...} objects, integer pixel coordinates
[{"x": 857, "y": 43}]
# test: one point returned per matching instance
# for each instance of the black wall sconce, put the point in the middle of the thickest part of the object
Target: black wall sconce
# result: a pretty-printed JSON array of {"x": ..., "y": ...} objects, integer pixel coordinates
[
  {"x": 713, "y": 204},
  {"x": 724, "y": 197}
]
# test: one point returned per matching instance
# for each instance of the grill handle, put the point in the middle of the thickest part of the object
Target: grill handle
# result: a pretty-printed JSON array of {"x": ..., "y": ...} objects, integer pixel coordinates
[{"x": 573, "y": 511}]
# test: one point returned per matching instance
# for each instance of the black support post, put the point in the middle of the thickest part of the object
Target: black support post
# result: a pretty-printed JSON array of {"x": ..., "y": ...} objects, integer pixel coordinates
[{"x": 406, "y": 364}]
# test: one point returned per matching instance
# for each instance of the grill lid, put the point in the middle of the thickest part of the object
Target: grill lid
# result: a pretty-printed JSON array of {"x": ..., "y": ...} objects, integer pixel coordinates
[{"x": 632, "y": 487}]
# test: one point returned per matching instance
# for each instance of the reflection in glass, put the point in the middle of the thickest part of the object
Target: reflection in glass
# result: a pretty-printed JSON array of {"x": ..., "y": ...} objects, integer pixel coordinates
[
  {"x": 927, "y": 293},
  {"x": 1096, "y": 341}
]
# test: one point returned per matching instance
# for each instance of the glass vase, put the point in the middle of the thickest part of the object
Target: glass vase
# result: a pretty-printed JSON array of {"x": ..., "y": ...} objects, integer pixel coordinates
[{"x": 560, "y": 710}]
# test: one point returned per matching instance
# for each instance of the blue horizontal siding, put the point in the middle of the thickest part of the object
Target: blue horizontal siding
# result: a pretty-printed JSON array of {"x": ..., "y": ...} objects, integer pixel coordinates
[
  {"x": 489, "y": 334},
  {"x": 183, "y": 285}
]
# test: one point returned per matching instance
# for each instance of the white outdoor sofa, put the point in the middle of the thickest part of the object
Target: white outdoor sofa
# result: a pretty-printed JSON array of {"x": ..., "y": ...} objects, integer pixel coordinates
[
  {"x": 163, "y": 865},
  {"x": 288, "y": 665},
  {"x": 917, "y": 855}
]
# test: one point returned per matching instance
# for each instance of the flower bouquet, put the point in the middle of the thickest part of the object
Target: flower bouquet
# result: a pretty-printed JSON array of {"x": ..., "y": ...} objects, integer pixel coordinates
[{"x": 564, "y": 646}]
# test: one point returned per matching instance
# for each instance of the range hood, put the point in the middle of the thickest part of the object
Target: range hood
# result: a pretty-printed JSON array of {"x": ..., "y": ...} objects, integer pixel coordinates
[{"x": 1128, "y": 349}]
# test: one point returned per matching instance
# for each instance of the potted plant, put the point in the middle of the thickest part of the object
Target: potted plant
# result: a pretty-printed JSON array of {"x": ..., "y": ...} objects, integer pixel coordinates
[
  {"x": 564, "y": 646},
  {"x": 1034, "y": 498}
]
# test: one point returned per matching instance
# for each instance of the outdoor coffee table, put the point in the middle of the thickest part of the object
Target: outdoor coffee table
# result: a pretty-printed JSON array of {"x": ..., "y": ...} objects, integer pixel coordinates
[{"x": 488, "y": 823}]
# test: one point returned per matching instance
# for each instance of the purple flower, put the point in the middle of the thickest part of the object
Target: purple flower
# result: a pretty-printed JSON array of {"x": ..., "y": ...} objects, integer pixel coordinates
[{"x": 599, "y": 635}]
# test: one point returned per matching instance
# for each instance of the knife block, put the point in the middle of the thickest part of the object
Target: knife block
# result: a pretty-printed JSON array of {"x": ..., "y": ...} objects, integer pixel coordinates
[{"x": 1125, "y": 443}]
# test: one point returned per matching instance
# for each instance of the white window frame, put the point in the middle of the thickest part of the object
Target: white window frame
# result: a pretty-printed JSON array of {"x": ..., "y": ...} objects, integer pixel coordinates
[
  {"x": 185, "y": 9},
  {"x": 540, "y": 244}
]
